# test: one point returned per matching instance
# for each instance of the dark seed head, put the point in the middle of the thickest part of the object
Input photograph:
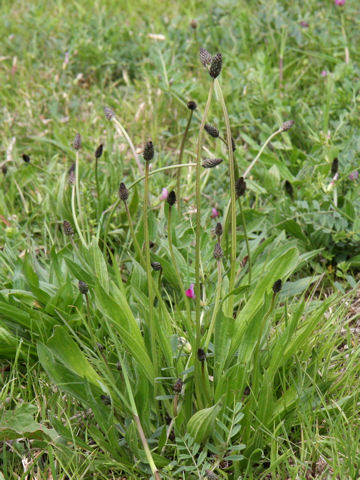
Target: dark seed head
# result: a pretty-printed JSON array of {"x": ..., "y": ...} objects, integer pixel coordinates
[
  {"x": 192, "y": 105},
  {"x": 156, "y": 266},
  {"x": 334, "y": 167},
  {"x": 211, "y": 130},
  {"x": 118, "y": 366},
  {"x": 218, "y": 229},
  {"x": 123, "y": 192},
  {"x": 201, "y": 355},
  {"x": 148, "y": 151},
  {"x": 211, "y": 162},
  {"x": 106, "y": 399},
  {"x": 26, "y": 158},
  {"x": 218, "y": 253},
  {"x": 277, "y": 286},
  {"x": 100, "y": 347},
  {"x": 77, "y": 142},
  {"x": 215, "y": 67},
  {"x": 287, "y": 125},
  {"x": 83, "y": 287},
  {"x": 233, "y": 144},
  {"x": 99, "y": 151},
  {"x": 193, "y": 24},
  {"x": 289, "y": 188},
  {"x": 71, "y": 174},
  {"x": 205, "y": 57},
  {"x": 240, "y": 186},
  {"x": 178, "y": 385},
  {"x": 4, "y": 169},
  {"x": 109, "y": 113},
  {"x": 171, "y": 199},
  {"x": 67, "y": 228}
]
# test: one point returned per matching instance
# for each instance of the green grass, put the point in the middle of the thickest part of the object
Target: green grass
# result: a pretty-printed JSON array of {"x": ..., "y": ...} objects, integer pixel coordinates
[{"x": 87, "y": 381}]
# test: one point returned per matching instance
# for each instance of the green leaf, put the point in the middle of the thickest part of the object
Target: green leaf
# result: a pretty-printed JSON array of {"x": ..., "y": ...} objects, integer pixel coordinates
[
  {"x": 20, "y": 423},
  {"x": 69, "y": 354},
  {"x": 201, "y": 423},
  {"x": 279, "y": 268}
]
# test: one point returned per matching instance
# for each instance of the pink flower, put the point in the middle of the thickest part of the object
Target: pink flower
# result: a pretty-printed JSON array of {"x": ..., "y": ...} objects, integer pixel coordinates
[
  {"x": 164, "y": 194},
  {"x": 324, "y": 73},
  {"x": 354, "y": 175},
  {"x": 214, "y": 213},
  {"x": 339, "y": 3},
  {"x": 304, "y": 24},
  {"x": 190, "y": 292}
]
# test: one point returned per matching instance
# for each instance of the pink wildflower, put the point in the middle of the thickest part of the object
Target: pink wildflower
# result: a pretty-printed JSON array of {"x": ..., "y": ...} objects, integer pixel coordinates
[
  {"x": 304, "y": 24},
  {"x": 354, "y": 175},
  {"x": 190, "y": 292},
  {"x": 164, "y": 194},
  {"x": 324, "y": 73},
  {"x": 214, "y": 213},
  {"x": 340, "y": 3}
]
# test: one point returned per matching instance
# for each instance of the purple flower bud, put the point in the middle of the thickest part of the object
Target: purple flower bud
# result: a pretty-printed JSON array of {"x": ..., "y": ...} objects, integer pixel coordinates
[
  {"x": 354, "y": 175},
  {"x": 190, "y": 292},
  {"x": 214, "y": 213},
  {"x": 340, "y": 3},
  {"x": 304, "y": 24},
  {"x": 164, "y": 194}
]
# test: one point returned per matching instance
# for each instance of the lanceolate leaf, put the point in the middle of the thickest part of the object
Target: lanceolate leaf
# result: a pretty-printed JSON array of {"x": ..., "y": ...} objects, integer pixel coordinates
[{"x": 279, "y": 268}]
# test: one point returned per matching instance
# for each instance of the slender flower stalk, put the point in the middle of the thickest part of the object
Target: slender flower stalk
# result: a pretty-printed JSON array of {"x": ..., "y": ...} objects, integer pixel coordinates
[
  {"x": 283, "y": 128},
  {"x": 198, "y": 217},
  {"x": 110, "y": 115},
  {"x": 233, "y": 198},
  {"x": 148, "y": 156},
  {"x": 137, "y": 421},
  {"x": 218, "y": 256},
  {"x": 178, "y": 276},
  {"x": 76, "y": 187},
  {"x": 98, "y": 154},
  {"x": 192, "y": 107},
  {"x": 114, "y": 206},
  {"x": 240, "y": 191},
  {"x": 73, "y": 211}
]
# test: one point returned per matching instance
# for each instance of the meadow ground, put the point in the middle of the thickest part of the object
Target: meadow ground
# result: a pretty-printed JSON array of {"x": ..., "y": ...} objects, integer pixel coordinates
[{"x": 214, "y": 333}]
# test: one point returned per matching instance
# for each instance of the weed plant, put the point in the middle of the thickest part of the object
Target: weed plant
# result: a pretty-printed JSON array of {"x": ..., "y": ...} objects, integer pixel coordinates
[{"x": 141, "y": 338}]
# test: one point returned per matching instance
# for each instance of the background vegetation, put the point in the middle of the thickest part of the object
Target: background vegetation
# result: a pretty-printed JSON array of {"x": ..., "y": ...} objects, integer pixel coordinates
[{"x": 277, "y": 395}]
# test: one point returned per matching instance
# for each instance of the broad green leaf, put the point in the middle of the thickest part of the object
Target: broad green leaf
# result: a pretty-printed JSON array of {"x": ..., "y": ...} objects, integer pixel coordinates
[
  {"x": 69, "y": 354},
  {"x": 117, "y": 310},
  {"x": 279, "y": 268},
  {"x": 20, "y": 423},
  {"x": 201, "y": 423}
]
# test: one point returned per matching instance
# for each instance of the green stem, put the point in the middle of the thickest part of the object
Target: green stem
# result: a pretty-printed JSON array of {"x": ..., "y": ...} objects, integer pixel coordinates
[
  {"x": 97, "y": 187},
  {"x": 148, "y": 269},
  {"x": 121, "y": 130},
  {"x": 138, "y": 423},
  {"x": 248, "y": 170},
  {"x": 178, "y": 276},
  {"x": 77, "y": 183},
  {"x": 132, "y": 231},
  {"x": 216, "y": 306},
  {"x": 233, "y": 198},
  {"x": 246, "y": 173},
  {"x": 75, "y": 217},
  {"x": 113, "y": 207},
  {"x": 180, "y": 161},
  {"x": 170, "y": 167},
  {"x": 246, "y": 239},
  {"x": 198, "y": 218}
]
